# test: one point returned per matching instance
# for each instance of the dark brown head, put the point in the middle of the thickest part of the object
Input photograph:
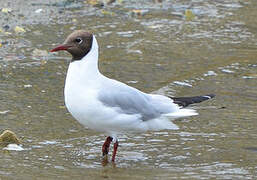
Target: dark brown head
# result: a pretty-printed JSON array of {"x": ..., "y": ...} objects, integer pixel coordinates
[{"x": 78, "y": 44}]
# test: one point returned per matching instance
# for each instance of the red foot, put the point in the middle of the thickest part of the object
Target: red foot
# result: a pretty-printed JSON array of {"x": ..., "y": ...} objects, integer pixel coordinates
[
  {"x": 106, "y": 145},
  {"x": 115, "y": 147}
]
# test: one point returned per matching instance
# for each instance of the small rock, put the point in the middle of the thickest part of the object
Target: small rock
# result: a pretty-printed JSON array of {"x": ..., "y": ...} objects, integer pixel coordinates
[
  {"x": 43, "y": 62},
  {"x": 104, "y": 12},
  {"x": 27, "y": 85},
  {"x": 182, "y": 83},
  {"x": 139, "y": 12},
  {"x": 4, "y": 112},
  {"x": 210, "y": 73},
  {"x": 19, "y": 29},
  {"x": 6, "y": 27},
  {"x": 110, "y": 1},
  {"x": 13, "y": 147},
  {"x": 95, "y": 3},
  {"x": 189, "y": 15},
  {"x": 39, "y": 11},
  {"x": 7, "y": 33},
  {"x": 8, "y": 137},
  {"x": 38, "y": 52},
  {"x": 157, "y": 1},
  {"x": 6, "y": 10}
]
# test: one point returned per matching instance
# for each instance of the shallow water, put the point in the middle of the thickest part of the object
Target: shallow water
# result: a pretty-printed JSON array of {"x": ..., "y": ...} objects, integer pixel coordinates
[{"x": 157, "y": 50}]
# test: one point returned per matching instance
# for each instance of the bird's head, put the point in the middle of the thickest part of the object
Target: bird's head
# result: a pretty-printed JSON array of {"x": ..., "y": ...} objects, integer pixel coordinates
[{"x": 78, "y": 44}]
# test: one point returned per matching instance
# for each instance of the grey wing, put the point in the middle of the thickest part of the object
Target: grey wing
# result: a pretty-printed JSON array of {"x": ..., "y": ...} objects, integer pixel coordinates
[{"x": 128, "y": 100}]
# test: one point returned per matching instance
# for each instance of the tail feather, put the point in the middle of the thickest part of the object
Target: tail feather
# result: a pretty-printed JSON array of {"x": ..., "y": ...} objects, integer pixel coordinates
[{"x": 185, "y": 101}]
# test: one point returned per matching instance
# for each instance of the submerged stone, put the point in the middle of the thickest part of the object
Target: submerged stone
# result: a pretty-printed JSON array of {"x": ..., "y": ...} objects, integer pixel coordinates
[{"x": 8, "y": 137}]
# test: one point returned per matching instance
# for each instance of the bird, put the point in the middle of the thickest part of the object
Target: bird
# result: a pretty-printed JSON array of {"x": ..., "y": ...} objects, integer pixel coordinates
[{"x": 112, "y": 107}]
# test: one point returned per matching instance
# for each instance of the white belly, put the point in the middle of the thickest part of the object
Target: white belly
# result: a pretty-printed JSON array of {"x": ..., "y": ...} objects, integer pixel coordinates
[
  {"x": 91, "y": 113},
  {"x": 83, "y": 108}
]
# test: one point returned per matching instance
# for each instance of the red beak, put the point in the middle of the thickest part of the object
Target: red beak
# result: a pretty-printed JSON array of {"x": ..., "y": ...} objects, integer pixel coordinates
[{"x": 60, "y": 48}]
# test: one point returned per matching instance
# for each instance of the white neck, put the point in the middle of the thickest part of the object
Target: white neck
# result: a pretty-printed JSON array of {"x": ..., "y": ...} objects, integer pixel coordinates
[
  {"x": 92, "y": 55},
  {"x": 84, "y": 71},
  {"x": 88, "y": 65},
  {"x": 90, "y": 61}
]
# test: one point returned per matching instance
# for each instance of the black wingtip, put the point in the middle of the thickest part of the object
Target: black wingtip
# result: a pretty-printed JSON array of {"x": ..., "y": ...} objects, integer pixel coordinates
[{"x": 185, "y": 101}]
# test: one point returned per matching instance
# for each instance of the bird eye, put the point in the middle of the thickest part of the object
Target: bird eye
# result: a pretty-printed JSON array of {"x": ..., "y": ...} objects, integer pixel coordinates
[{"x": 79, "y": 40}]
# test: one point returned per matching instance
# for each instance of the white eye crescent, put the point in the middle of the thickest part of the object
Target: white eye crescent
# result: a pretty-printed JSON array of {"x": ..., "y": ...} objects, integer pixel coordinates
[{"x": 79, "y": 40}]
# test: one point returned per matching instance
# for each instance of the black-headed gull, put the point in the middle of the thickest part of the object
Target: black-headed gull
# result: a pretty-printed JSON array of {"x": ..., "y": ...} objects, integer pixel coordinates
[{"x": 110, "y": 106}]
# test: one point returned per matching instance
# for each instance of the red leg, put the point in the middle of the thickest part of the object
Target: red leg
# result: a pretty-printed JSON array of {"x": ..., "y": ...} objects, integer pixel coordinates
[
  {"x": 115, "y": 147},
  {"x": 106, "y": 145}
]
